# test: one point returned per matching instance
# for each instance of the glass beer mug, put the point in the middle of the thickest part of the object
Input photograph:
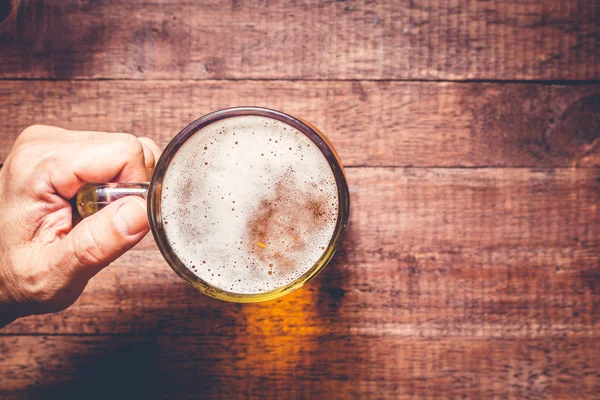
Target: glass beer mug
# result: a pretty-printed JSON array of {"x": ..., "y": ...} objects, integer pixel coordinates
[{"x": 245, "y": 204}]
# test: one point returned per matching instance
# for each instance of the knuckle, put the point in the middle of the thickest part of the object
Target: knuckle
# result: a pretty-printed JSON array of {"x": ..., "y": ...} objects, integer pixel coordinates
[
  {"x": 51, "y": 297},
  {"x": 133, "y": 145},
  {"x": 44, "y": 293},
  {"x": 149, "y": 159},
  {"x": 43, "y": 287},
  {"x": 29, "y": 159},
  {"x": 18, "y": 162},
  {"x": 39, "y": 287},
  {"x": 87, "y": 250},
  {"x": 130, "y": 147},
  {"x": 11, "y": 168},
  {"x": 18, "y": 152},
  {"x": 147, "y": 140},
  {"x": 134, "y": 157},
  {"x": 37, "y": 132},
  {"x": 31, "y": 132}
]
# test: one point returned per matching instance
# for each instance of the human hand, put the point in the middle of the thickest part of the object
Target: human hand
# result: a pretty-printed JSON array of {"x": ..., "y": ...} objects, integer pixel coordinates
[{"x": 45, "y": 261}]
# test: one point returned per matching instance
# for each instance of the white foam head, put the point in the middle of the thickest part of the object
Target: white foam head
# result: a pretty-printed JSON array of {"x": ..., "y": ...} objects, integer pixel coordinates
[{"x": 249, "y": 204}]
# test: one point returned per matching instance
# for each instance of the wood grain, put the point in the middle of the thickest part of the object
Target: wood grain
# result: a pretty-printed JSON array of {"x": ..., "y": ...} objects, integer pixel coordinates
[
  {"x": 420, "y": 39},
  {"x": 370, "y": 123},
  {"x": 435, "y": 253},
  {"x": 471, "y": 264},
  {"x": 328, "y": 366}
]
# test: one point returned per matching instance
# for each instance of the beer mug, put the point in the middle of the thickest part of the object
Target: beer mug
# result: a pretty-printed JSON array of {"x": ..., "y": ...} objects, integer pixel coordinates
[{"x": 292, "y": 203}]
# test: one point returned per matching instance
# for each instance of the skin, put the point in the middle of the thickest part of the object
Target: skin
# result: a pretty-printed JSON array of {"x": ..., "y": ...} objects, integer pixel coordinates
[{"x": 46, "y": 261}]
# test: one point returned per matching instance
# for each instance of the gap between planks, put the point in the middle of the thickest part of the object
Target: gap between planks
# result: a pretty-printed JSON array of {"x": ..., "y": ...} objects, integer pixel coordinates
[
  {"x": 558, "y": 82},
  {"x": 460, "y": 167}
]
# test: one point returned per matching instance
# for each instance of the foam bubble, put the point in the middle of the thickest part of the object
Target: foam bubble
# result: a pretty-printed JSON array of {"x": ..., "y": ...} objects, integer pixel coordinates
[{"x": 249, "y": 204}]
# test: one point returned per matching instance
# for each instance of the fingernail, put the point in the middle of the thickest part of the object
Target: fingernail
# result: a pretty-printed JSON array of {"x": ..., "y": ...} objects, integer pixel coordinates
[{"x": 131, "y": 218}]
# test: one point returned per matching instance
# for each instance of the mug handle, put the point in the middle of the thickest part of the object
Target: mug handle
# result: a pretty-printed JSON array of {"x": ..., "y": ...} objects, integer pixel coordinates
[{"x": 93, "y": 197}]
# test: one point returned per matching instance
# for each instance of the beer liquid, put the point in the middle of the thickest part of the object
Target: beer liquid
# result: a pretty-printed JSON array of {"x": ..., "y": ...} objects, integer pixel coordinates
[{"x": 249, "y": 204}]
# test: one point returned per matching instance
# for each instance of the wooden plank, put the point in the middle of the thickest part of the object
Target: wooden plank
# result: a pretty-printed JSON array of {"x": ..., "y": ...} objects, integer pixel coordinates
[
  {"x": 371, "y": 123},
  {"x": 436, "y": 253},
  {"x": 169, "y": 367},
  {"x": 420, "y": 39}
]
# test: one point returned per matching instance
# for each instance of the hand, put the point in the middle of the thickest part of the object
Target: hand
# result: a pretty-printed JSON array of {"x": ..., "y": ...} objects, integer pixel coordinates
[{"x": 45, "y": 262}]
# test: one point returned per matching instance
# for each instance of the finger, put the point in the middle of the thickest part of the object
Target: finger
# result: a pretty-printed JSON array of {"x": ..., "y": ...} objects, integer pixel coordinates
[
  {"x": 101, "y": 238},
  {"x": 97, "y": 157},
  {"x": 149, "y": 160},
  {"x": 152, "y": 146}
]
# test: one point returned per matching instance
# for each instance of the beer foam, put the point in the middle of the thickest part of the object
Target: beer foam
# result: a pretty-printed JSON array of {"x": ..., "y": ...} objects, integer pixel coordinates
[{"x": 249, "y": 204}]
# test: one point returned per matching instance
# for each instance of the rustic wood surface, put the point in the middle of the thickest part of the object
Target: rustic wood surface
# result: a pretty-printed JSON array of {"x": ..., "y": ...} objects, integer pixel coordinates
[
  {"x": 471, "y": 263},
  {"x": 192, "y": 367},
  {"x": 417, "y": 39},
  {"x": 424, "y": 124},
  {"x": 446, "y": 252}
]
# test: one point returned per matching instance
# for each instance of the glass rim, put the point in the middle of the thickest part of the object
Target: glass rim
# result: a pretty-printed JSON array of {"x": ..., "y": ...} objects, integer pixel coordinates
[{"x": 155, "y": 197}]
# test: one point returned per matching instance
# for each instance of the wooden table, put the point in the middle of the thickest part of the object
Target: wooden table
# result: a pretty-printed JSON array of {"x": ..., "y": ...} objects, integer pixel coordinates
[{"x": 470, "y": 131}]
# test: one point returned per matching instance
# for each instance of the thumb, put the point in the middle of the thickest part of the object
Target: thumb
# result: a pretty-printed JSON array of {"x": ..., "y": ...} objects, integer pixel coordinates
[{"x": 102, "y": 237}]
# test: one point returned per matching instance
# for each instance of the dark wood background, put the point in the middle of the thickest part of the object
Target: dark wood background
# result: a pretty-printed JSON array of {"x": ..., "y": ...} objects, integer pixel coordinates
[{"x": 470, "y": 131}]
